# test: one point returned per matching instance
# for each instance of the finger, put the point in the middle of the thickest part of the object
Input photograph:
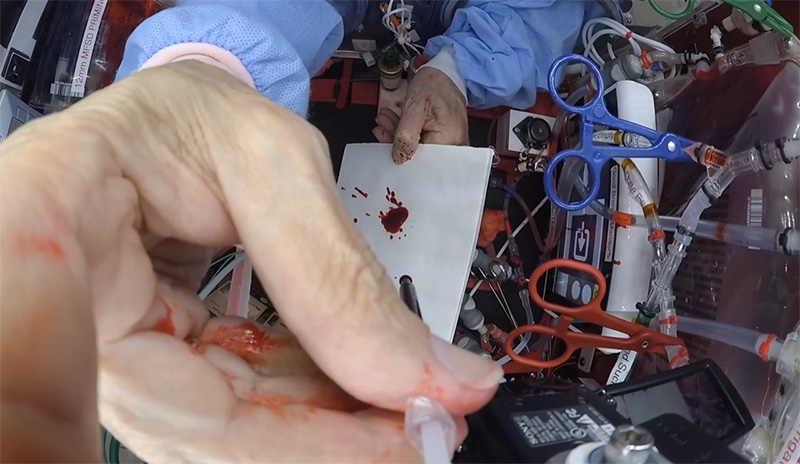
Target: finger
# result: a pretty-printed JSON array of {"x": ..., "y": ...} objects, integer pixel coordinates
[
  {"x": 409, "y": 129},
  {"x": 268, "y": 351},
  {"x": 446, "y": 136},
  {"x": 388, "y": 119},
  {"x": 382, "y": 135},
  {"x": 290, "y": 388},
  {"x": 166, "y": 415}
]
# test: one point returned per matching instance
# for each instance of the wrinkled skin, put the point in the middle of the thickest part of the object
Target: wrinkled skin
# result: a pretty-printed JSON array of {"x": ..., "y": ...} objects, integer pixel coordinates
[
  {"x": 110, "y": 212},
  {"x": 434, "y": 111}
]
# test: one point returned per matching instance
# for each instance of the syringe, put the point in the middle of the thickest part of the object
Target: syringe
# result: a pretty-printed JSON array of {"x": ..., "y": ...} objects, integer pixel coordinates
[{"x": 429, "y": 427}]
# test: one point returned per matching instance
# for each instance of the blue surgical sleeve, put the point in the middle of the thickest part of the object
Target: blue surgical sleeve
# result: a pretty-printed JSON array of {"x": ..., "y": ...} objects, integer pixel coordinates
[
  {"x": 280, "y": 42},
  {"x": 503, "y": 49}
]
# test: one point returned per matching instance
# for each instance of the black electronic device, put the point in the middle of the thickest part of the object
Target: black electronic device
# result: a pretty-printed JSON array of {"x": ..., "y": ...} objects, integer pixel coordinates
[
  {"x": 536, "y": 427},
  {"x": 700, "y": 392}
]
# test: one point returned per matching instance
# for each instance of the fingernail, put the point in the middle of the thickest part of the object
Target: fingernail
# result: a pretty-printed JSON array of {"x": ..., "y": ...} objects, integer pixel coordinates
[{"x": 467, "y": 368}]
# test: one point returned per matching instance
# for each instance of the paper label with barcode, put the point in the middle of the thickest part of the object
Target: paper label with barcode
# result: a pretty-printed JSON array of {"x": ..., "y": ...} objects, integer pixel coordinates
[{"x": 755, "y": 209}]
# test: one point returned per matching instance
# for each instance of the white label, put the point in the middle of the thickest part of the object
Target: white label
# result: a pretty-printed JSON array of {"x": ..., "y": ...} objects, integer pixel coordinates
[
  {"x": 368, "y": 59},
  {"x": 755, "y": 208},
  {"x": 622, "y": 368},
  {"x": 611, "y": 227},
  {"x": 84, "y": 60},
  {"x": 790, "y": 453}
]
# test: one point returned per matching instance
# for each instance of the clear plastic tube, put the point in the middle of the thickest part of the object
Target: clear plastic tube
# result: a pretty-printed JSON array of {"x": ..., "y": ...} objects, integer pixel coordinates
[
  {"x": 430, "y": 429},
  {"x": 764, "y": 156},
  {"x": 569, "y": 173},
  {"x": 526, "y": 338},
  {"x": 657, "y": 56},
  {"x": 531, "y": 222},
  {"x": 677, "y": 249},
  {"x": 762, "y": 238},
  {"x": 745, "y": 339},
  {"x": 239, "y": 295},
  {"x": 570, "y": 169},
  {"x": 640, "y": 192}
]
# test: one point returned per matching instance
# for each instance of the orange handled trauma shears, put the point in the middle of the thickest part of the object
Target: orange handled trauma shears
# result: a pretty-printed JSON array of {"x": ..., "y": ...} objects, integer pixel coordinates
[{"x": 639, "y": 338}]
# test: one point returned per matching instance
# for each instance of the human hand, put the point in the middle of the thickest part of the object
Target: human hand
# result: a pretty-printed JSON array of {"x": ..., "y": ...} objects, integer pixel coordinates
[
  {"x": 110, "y": 210},
  {"x": 434, "y": 111}
]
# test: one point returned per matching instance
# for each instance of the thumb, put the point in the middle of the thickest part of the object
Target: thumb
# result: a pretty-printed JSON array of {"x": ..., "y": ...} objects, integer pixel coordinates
[
  {"x": 409, "y": 129},
  {"x": 330, "y": 289}
]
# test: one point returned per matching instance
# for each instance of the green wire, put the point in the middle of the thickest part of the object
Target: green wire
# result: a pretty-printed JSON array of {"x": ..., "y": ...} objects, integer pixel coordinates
[
  {"x": 230, "y": 258},
  {"x": 103, "y": 438},
  {"x": 674, "y": 16},
  {"x": 222, "y": 258},
  {"x": 114, "y": 451}
]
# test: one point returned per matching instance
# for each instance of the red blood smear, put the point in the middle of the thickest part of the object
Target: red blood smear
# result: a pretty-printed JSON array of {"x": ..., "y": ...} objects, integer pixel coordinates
[
  {"x": 362, "y": 193},
  {"x": 393, "y": 219}
]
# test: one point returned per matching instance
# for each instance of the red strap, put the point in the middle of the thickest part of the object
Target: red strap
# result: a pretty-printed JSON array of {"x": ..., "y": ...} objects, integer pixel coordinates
[
  {"x": 344, "y": 84},
  {"x": 629, "y": 35}
]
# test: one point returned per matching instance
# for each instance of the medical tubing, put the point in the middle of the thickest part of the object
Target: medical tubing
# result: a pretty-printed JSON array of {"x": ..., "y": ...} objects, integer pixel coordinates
[
  {"x": 569, "y": 170},
  {"x": 658, "y": 56},
  {"x": 677, "y": 249},
  {"x": 640, "y": 192},
  {"x": 239, "y": 295},
  {"x": 212, "y": 284},
  {"x": 740, "y": 337},
  {"x": 764, "y": 156},
  {"x": 785, "y": 241},
  {"x": 611, "y": 27},
  {"x": 526, "y": 338},
  {"x": 536, "y": 237},
  {"x": 519, "y": 277}
]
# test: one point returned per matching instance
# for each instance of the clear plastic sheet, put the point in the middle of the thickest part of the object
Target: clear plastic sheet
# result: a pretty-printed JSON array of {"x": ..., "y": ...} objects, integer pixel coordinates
[{"x": 733, "y": 284}]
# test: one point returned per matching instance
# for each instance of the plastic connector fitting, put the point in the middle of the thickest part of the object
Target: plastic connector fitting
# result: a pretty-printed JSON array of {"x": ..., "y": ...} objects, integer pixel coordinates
[
  {"x": 788, "y": 364},
  {"x": 473, "y": 320}
]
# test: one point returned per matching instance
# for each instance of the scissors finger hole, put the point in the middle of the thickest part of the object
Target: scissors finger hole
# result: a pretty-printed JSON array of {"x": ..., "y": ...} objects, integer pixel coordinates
[
  {"x": 573, "y": 180},
  {"x": 576, "y": 283},
  {"x": 583, "y": 79}
]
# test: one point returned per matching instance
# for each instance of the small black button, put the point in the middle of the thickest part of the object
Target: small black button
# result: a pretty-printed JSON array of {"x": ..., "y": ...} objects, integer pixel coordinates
[{"x": 16, "y": 67}]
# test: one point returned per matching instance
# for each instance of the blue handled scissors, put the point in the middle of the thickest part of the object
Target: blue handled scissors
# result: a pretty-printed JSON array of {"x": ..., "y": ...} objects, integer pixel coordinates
[{"x": 663, "y": 145}]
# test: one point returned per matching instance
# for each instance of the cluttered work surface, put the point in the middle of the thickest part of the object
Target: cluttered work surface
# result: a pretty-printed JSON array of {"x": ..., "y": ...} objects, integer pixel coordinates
[{"x": 626, "y": 249}]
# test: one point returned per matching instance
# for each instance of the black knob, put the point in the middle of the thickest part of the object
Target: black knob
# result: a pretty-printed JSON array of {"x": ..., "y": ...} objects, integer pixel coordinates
[{"x": 538, "y": 133}]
